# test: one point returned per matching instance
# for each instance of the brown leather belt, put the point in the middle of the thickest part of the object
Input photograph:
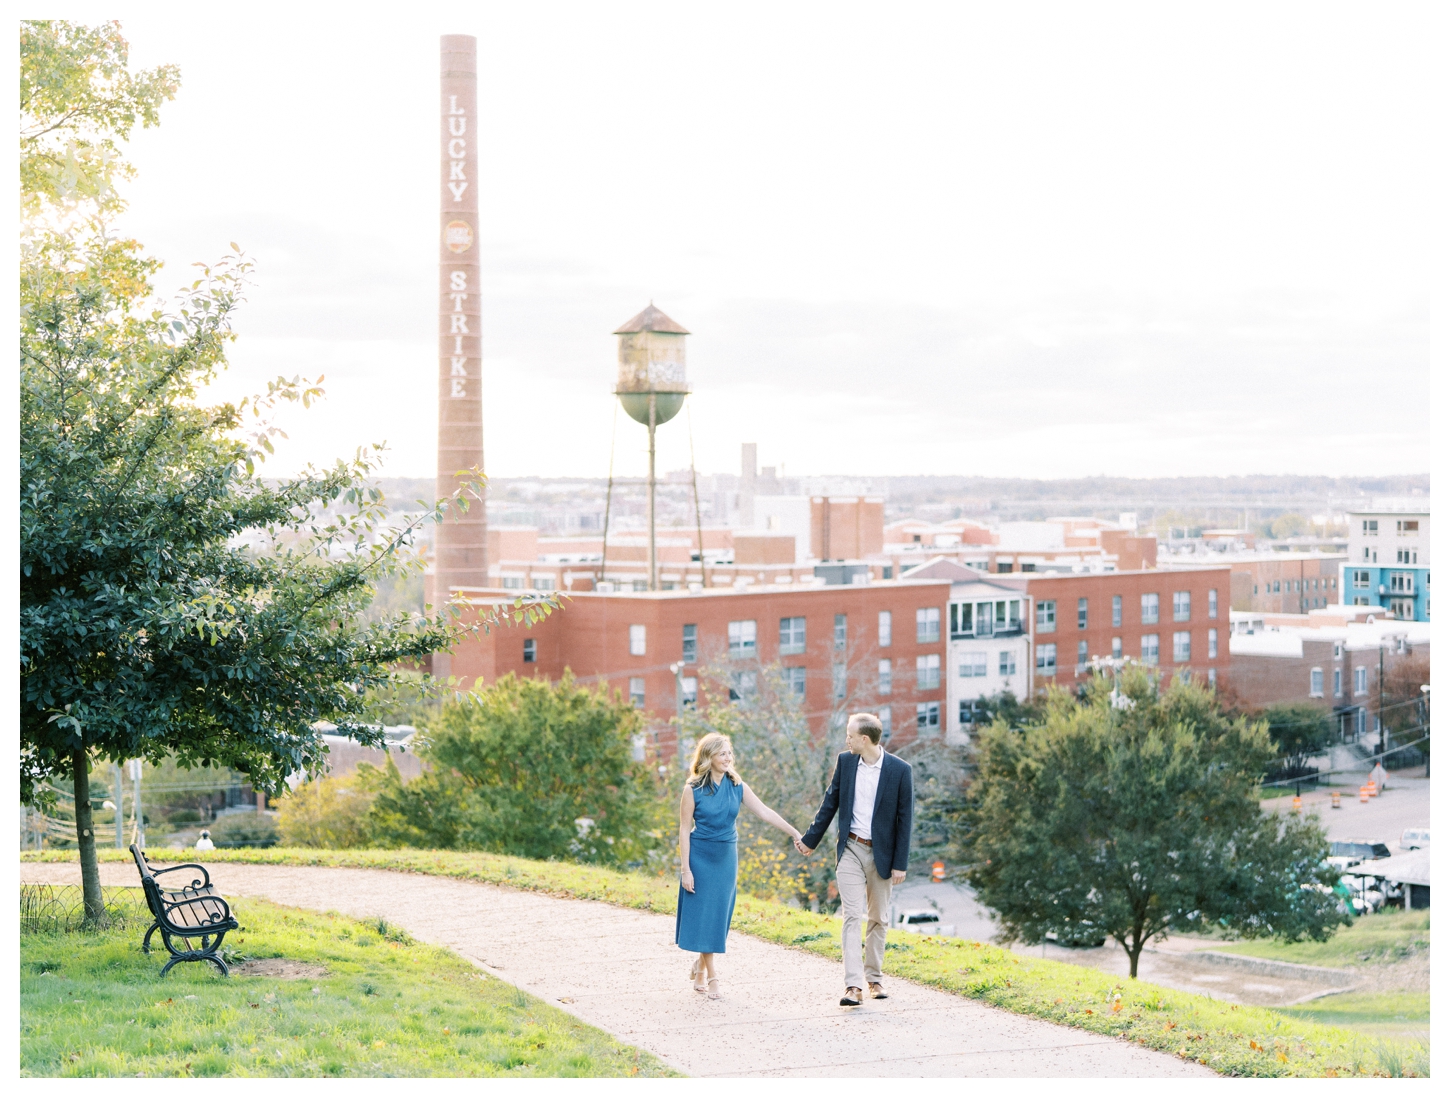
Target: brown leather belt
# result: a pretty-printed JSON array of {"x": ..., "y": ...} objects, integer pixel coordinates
[{"x": 857, "y": 838}]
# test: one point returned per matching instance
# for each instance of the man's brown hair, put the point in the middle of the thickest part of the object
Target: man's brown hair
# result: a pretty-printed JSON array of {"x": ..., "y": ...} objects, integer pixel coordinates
[{"x": 868, "y": 724}]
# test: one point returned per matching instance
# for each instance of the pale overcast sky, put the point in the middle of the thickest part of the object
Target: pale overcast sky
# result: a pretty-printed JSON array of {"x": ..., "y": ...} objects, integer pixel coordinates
[{"x": 999, "y": 239}]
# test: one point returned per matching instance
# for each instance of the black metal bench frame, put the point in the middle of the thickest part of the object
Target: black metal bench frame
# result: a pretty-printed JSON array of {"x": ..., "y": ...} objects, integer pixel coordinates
[{"x": 190, "y": 912}]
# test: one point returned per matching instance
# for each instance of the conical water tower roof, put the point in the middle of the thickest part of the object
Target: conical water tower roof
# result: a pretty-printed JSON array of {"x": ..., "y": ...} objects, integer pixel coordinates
[{"x": 651, "y": 320}]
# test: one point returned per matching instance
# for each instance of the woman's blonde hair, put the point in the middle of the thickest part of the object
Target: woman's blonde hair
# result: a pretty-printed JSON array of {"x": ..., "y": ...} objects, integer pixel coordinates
[{"x": 709, "y": 746}]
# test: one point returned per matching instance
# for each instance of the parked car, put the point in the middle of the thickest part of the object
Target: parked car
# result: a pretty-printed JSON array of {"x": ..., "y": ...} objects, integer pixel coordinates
[
  {"x": 1413, "y": 838},
  {"x": 1343, "y": 855},
  {"x": 922, "y": 921}
]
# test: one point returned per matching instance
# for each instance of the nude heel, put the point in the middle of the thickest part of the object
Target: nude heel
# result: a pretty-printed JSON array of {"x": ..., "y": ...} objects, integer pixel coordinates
[
  {"x": 695, "y": 974},
  {"x": 714, "y": 984}
]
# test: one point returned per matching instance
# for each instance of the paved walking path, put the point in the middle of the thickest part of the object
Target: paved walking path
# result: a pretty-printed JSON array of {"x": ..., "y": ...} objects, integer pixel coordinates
[{"x": 618, "y": 969}]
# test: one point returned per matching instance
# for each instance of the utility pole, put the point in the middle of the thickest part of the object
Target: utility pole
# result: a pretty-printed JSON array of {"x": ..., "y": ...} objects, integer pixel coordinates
[
  {"x": 1380, "y": 715},
  {"x": 119, "y": 783}
]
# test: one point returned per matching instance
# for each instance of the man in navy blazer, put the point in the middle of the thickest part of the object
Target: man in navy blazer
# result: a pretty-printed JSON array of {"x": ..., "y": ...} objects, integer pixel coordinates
[{"x": 872, "y": 791}]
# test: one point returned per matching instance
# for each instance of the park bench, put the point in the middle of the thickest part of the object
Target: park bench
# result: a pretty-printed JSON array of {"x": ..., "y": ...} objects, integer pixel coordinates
[{"x": 191, "y": 914}]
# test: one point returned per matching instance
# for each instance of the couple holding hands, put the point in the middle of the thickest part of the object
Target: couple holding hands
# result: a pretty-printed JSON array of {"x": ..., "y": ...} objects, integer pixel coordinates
[{"x": 870, "y": 789}]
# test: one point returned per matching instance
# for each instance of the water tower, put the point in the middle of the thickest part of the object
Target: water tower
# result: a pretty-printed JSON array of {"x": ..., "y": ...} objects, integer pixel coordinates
[{"x": 651, "y": 388}]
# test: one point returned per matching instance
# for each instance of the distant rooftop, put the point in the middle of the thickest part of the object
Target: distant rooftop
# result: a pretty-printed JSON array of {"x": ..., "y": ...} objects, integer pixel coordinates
[
  {"x": 1410, "y": 505},
  {"x": 650, "y": 320}
]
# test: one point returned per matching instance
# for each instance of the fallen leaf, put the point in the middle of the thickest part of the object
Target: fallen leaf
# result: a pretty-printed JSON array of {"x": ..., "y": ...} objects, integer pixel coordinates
[
  {"x": 164, "y": 1002},
  {"x": 1089, "y": 1010},
  {"x": 1117, "y": 1005},
  {"x": 565, "y": 999},
  {"x": 1283, "y": 1059},
  {"x": 380, "y": 1044},
  {"x": 1057, "y": 1000},
  {"x": 1255, "y": 1045}
]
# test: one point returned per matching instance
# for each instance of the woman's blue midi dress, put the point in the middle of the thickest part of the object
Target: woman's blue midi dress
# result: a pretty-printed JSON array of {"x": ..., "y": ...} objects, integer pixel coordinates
[{"x": 702, "y": 917}]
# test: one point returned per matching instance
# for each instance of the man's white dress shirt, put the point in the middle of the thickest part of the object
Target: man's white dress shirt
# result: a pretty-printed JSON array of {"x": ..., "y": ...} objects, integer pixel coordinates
[{"x": 868, "y": 777}]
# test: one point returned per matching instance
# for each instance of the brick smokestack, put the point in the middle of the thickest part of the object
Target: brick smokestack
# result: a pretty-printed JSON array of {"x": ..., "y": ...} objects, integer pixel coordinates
[{"x": 459, "y": 559}]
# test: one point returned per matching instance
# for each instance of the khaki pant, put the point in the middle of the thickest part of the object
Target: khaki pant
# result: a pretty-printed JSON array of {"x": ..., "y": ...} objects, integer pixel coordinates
[{"x": 863, "y": 892}]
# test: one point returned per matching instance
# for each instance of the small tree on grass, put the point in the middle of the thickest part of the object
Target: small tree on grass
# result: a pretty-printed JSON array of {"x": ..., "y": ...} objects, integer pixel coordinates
[
  {"x": 525, "y": 767},
  {"x": 1132, "y": 813},
  {"x": 1298, "y": 731}
]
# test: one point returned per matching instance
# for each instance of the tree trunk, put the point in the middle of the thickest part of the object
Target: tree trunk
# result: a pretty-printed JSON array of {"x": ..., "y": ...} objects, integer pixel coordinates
[
  {"x": 86, "y": 839},
  {"x": 1133, "y": 961}
]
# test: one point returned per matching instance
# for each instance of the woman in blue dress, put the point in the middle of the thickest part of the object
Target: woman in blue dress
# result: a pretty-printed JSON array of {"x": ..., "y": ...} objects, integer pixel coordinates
[{"x": 708, "y": 807}]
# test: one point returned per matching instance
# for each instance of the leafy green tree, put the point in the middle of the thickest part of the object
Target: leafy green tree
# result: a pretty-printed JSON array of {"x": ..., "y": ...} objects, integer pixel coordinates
[
  {"x": 1298, "y": 731},
  {"x": 78, "y": 99},
  {"x": 159, "y": 618},
  {"x": 525, "y": 767},
  {"x": 1133, "y": 813}
]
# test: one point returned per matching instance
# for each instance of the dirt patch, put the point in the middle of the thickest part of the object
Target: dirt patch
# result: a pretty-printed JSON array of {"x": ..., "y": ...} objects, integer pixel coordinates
[{"x": 279, "y": 968}]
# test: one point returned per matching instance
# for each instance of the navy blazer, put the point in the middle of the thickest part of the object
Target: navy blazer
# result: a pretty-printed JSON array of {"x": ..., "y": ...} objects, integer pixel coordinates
[{"x": 890, "y": 817}]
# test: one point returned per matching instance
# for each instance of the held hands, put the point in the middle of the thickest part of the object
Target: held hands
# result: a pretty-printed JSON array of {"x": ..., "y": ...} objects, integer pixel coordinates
[
  {"x": 687, "y": 880},
  {"x": 800, "y": 845}
]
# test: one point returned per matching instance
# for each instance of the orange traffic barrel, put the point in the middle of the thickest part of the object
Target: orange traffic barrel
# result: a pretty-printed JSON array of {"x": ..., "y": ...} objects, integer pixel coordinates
[
  {"x": 938, "y": 871},
  {"x": 1298, "y": 803},
  {"x": 1373, "y": 789},
  {"x": 1334, "y": 800},
  {"x": 1364, "y": 794}
]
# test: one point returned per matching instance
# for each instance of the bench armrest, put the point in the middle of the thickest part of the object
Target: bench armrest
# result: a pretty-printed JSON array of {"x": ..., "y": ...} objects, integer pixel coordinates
[{"x": 205, "y": 881}]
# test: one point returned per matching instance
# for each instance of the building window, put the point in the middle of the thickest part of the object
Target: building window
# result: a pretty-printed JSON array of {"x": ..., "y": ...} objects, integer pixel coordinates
[
  {"x": 1338, "y": 682},
  {"x": 1212, "y": 677},
  {"x": 795, "y": 680},
  {"x": 883, "y": 629},
  {"x": 1082, "y": 656},
  {"x": 1360, "y": 577},
  {"x": 1047, "y": 659},
  {"x": 928, "y": 625},
  {"x": 840, "y": 632},
  {"x": 1361, "y": 680},
  {"x": 1276, "y": 587},
  {"x": 883, "y": 676},
  {"x": 792, "y": 636},
  {"x": 1182, "y": 646},
  {"x": 1007, "y": 662},
  {"x": 689, "y": 691},
  {"x": 884, "y": 716},
  {"x": 636, "y": 640},
  {"x": 887, "y": 572},
  {"x": 1182, "y": 605},
  {"x": 1047, "y": 616},
  {"x": 742, "y": 685},
  {"x": 1371, "y": 527},
  {"x": 1148, "y": 648},
  {"x": 838, "y": 681},
  {"x": 1316, "y": 682},
  {"x": 965, "y": 712},
  {"x": 1149, "y": 610},
  {"x": 688, "y": 644},
  {"x": 974, "y": 666},
  {"x": 1117, "y": 611},
  {"x": 961, "y": 619},
  {"x": 1082, "y": 613},
  {"x": 1402, "y": 582},
  {"x": 636, "y": 693},
  {"x": 1407, "y": 526},
  {"x": 928, "y": 715},
  {"x": 928, "y": 672},
  {"x": 1212, "y": 602},
  {"x": 1213, "y": 644},
  {"x": 1117, "y": 648},
  {"x": 513, "y": 582},
  {"x": 742, "y": 639},
  {"x": 530, "y": 650}
]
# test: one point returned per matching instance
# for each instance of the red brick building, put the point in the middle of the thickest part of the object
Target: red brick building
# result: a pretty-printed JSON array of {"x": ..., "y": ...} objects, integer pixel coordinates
[
  {"x": 878, "y": 647},
  {"x": 1177, "y": 620}
]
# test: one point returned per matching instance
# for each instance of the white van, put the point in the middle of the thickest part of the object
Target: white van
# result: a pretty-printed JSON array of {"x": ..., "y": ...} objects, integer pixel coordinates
[
  {"x": 1415, "y": 838},
  {"x": 922, "y": 921}
]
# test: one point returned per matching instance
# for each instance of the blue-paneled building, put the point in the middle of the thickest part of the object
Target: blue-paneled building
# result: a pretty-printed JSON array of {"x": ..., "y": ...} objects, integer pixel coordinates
[{"x": 1389, "y": 558}]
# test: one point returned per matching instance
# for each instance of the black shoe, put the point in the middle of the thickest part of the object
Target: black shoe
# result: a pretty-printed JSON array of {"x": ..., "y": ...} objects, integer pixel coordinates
[
  {"x": 877, "y": 992},
  {"x": 846, "y": 999}
]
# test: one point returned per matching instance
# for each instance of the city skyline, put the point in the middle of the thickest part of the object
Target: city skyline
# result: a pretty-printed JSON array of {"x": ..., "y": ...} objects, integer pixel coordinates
[{"x": 1132, "y": 244}]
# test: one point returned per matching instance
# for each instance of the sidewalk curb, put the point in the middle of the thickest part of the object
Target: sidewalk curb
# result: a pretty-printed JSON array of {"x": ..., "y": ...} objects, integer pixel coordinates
[{"x": 1338, "y": 978}]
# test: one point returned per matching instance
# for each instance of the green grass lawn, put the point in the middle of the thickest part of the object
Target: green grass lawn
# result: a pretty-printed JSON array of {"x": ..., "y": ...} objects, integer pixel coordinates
[
  {"x": 1231, "y": 1039},
  {"x": 1380, "y": 1014},
  {"x": 91, "y": 1004},
  {"x": 1370, "y": 939}
]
